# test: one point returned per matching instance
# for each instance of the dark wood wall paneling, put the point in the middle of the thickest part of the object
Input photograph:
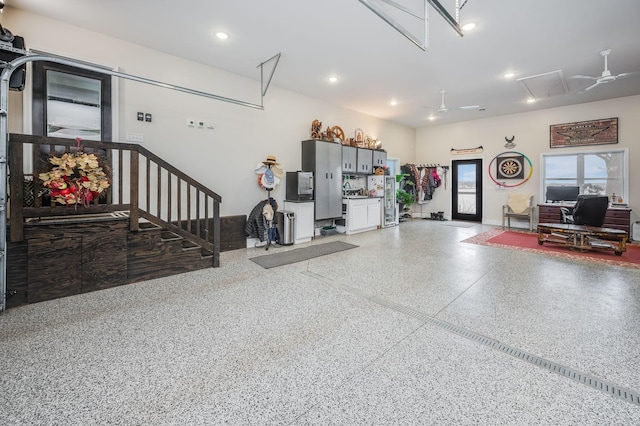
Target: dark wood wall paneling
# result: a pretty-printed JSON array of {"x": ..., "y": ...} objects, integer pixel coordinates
[
  {"x": 232, "y": 232},
  {"x": 58, "y": 260}
]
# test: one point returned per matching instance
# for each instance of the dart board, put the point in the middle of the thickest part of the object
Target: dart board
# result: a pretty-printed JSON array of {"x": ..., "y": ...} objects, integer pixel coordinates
[{"x": 510, "y": 167}]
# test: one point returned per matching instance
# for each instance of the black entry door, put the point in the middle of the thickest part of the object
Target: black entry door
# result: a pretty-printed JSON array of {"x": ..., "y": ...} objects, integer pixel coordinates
[{"x": 466, "y": 190}]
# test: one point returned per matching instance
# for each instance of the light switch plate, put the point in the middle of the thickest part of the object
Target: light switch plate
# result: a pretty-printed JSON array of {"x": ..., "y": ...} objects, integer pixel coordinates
[{"x": 135, "y": 137}]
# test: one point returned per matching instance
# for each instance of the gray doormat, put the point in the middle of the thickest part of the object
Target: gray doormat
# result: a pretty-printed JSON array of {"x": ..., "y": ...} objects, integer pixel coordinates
[
  {"x": 461, "y": 224},
  {"x": 298, "y": 255}
]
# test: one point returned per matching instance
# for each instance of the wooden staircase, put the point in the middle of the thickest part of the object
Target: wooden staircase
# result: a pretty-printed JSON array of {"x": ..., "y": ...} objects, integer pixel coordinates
[
  {"x": 154, "y": 252},
  {"x": 156, "y": 221}
]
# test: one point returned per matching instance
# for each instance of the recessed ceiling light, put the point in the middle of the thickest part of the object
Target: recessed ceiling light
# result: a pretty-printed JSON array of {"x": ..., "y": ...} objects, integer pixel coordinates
[
  {"x": 333, "y": 79},
  {"x": 222, "y": 36},
  {"x": 531, "y": 100},
  {"x": 510, "y": 75},
  {"x": 394, "y": 102},
  {"x": 432, "y": 117},
  {"x": 469, "y": 26}
]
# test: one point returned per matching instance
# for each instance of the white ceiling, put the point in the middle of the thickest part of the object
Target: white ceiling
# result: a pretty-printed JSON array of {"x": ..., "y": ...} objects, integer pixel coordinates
[{"x": 375, "y": 63}]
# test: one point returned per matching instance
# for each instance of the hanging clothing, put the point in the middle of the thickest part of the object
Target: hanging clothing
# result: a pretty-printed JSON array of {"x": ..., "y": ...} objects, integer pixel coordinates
[
  {"x": 426, "y": 185},
  {"x": 436, "y": 177},
  {"x": 425, "y": 180},
  {"x": 429, "y": 184},
  {"x": 257, "y": 225}
]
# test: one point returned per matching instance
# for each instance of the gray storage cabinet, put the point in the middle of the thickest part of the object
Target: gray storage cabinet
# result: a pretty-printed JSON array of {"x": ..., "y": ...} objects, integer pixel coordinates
[
  {"x": 365, "y": 161},
  {"x": 324, "y": 160},
  {"x": 379, "y": 159},
  {"x": 349, "y": 159}
]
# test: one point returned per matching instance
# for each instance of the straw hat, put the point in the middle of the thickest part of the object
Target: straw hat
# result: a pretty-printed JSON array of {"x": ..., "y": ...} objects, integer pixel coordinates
[
  {"x": 262, "y": 167},
  {"x": 271, "y": 160}
]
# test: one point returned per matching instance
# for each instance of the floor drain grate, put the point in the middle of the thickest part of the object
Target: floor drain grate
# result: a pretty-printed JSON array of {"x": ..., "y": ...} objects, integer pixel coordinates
[{"x": 577, "y": 376}]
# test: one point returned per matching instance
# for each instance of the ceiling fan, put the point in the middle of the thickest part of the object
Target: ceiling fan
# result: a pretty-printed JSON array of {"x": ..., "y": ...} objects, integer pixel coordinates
[
  {"x": 443, "y": 108},
  {"x": 606, "y": 76}
]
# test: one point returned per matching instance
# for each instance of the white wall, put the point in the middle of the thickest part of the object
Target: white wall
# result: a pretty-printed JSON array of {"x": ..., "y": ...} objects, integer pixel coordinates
[
  {"x": 531, "y": 131},
  {"x": 223, "y": 159}
]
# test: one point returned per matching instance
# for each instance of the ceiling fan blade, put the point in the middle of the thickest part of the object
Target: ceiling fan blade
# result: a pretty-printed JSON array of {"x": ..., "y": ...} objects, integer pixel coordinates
[
  {"x": 590, "y": 87},
  {"x": 584, "y": 76},
  {"x": 626, "y": 74},
  {"x": 469, "y": 107}
]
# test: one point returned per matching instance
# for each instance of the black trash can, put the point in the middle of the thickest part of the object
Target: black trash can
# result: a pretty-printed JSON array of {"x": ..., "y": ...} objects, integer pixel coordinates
[{"x": 286, "y": 229}]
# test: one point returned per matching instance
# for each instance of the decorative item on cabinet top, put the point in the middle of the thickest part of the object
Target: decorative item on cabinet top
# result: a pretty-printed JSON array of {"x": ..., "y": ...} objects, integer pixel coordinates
[
  {"x": 316, "y": 129},
  {"x": 336, "y": 134},
  {"x": 372, "y": 143},
  {"x": 359, "y": 136},
  {"x": 332, "y": 134}
]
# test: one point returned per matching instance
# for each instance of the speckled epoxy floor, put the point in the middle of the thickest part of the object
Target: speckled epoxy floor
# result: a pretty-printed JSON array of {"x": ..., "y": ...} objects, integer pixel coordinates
[{"x": 326, "y": 341}]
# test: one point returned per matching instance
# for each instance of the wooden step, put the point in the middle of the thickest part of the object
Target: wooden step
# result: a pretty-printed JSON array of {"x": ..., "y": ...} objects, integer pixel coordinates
[
  {"x": 147, "y": 226},
  {"x": 170, "y": 236}
]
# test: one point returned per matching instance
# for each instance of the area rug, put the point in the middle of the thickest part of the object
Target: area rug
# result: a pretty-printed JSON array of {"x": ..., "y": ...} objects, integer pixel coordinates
[
  {"x": 528, "y": 241},
  {"x": 298, "y": 255}
]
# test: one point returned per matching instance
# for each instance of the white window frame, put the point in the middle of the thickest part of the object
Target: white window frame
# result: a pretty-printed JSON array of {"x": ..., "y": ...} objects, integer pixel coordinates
[{"x": 625, "y": 174}]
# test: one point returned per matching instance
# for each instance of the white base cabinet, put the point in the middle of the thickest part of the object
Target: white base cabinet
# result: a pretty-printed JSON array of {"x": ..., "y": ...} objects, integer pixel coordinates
[
  {"x": 303, "y": 224},
  {"x": 360, "y": 215}
]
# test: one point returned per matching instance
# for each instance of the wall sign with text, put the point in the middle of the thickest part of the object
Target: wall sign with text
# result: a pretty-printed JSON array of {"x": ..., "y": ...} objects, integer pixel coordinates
[{"x": 581, "y": 133}]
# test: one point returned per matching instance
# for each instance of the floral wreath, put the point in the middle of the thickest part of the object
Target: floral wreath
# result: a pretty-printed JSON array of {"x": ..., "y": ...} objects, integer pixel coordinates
[{"x": 76, "y": 178}]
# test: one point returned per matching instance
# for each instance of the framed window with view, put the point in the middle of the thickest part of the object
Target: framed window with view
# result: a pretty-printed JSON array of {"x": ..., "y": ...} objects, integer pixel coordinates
[{"x": 602, "y": 172}]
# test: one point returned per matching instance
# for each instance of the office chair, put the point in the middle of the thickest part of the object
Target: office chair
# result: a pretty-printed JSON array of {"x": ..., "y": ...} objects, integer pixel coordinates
[{"x": 589, "y": 210}]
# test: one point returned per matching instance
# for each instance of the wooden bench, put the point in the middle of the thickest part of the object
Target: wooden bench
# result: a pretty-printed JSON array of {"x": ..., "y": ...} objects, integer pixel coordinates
[{"x": 583, "y": 237}]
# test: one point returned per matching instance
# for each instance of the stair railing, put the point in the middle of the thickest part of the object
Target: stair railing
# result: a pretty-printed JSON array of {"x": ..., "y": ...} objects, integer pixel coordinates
[{"x": 142, "y": 183}]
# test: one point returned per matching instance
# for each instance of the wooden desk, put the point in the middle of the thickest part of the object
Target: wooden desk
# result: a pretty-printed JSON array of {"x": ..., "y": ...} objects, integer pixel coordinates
[
  {"x": 583, "y": 237},
  {"x": 616, "y": 217}
]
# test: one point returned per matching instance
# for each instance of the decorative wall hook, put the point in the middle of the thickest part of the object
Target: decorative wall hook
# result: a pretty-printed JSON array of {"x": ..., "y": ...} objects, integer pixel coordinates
[{"x": 509, "y": 144}]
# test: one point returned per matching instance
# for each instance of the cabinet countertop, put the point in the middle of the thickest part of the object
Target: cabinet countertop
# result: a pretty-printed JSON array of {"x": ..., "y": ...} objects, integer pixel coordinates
[{"x": 360, "y": 197}]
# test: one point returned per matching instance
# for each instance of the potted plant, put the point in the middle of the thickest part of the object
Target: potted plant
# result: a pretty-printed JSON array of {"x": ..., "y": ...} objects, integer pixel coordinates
[{"x": 404, "y": 198}]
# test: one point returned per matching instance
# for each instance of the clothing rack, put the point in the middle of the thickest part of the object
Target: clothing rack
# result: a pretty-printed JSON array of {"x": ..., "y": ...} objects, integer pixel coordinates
[
  {"x": 270, "y": 222},
  {"x": 425, "y": 183},
  {"x": 431, "y": 166}
]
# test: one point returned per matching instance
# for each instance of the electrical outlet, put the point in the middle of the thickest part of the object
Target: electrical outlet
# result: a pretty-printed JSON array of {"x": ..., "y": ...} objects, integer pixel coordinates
[{"x": 201, "y": 124}]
